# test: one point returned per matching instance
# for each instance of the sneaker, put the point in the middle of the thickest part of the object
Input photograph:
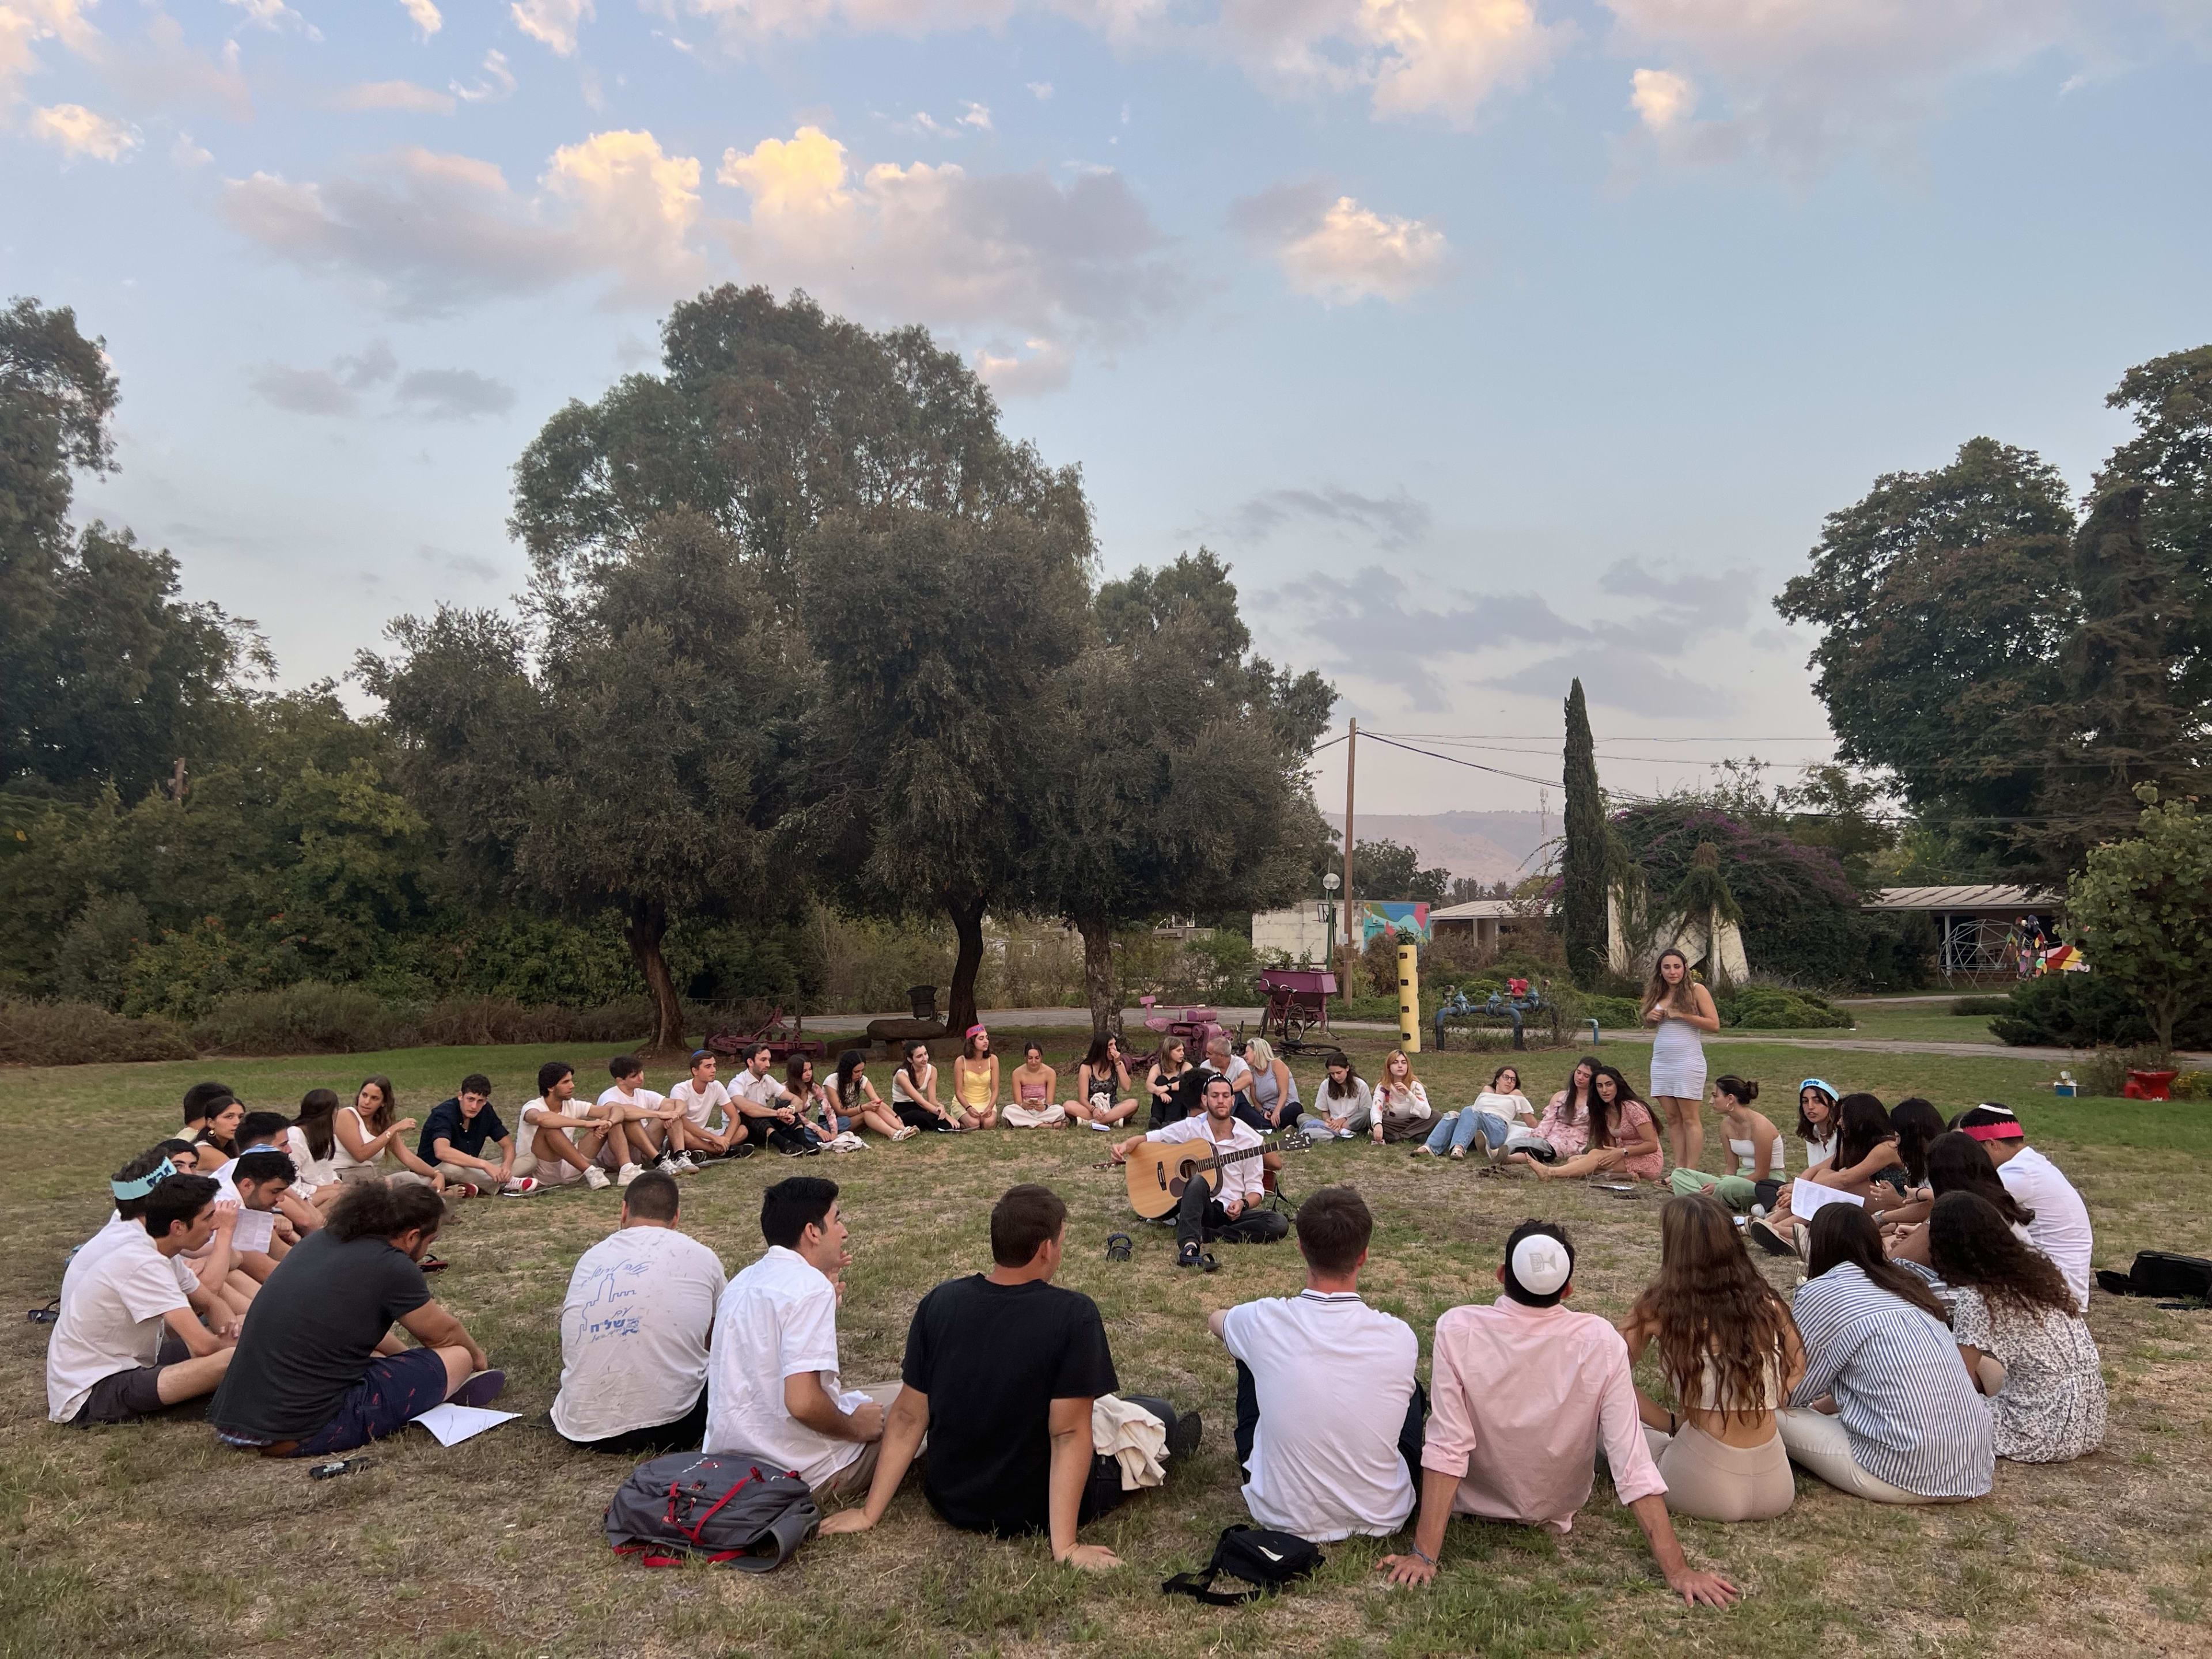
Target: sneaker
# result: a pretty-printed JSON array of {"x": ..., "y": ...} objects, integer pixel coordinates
[
  {"x": 481, "y": 1389},
  {"x": 800, "y": 1151},
  {"x": 594, "y": 1177},
  {"x": 1182, "y": 1439},
  {"x": 1769, "y": 1239},
  {"x": 462, "y": 1189},
  {"x": 520, "y": 1187},
  {"x": 684, "y": 1165},
  {"x": 1103, "y": 1129},
  {"x": 743, "y": 1149},
  {"x": 667, "y": 1165},
  {"x": 630, "y": 1172}
]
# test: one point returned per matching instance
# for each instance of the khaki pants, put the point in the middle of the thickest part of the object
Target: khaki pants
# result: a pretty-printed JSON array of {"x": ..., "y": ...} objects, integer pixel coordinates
[
  {"x": 853, "y": 1480},
  {"x": 1817, "y": 1442},
  {"x": 480, "y": 1179},
  {"x": 354, "y": 1173}
]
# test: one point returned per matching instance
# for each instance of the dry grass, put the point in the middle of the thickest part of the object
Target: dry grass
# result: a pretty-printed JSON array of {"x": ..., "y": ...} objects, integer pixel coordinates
[{"x": 150, "y": 1540}]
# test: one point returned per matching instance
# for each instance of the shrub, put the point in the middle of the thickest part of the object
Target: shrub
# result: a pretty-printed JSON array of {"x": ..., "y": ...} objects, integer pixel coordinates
[
  {"x": 182, "y": 975},
  {"x": 1611, "y": 1013},
  {"x": 2104, "y": 1074},
  {"x": 311, "y": 1017},
  {"x": 1971, "y": 1007},
  {"x": 2084, "y": 1011},
  {"x": 82, "y": 1033},
  {"x": 1770, "y": 1008},
  {"x": 460, "y": 1022},
  {"x": 2193, "y": 1085},
  {"x": 93, "y": 961}
]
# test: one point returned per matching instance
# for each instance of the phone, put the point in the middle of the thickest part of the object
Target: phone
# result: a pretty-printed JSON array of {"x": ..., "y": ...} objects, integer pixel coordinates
[{"x": 337, "y": 1467}]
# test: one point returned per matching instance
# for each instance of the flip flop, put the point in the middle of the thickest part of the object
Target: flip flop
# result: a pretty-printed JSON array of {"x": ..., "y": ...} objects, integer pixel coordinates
[
  {"x": 434, "y": 1264},
  {"x": 1118, "y": 1247}
]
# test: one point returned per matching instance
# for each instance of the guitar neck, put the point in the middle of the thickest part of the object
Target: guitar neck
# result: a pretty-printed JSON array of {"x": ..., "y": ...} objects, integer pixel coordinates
[{"x": 1220, "y": 1158}]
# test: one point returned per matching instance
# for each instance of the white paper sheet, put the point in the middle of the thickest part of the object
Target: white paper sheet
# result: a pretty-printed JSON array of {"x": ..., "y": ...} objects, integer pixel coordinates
[
  {"x": 253, "y": 1230},
  {"x": 453, "y": 1424},
  {"x": 1807, "y": 1196}
]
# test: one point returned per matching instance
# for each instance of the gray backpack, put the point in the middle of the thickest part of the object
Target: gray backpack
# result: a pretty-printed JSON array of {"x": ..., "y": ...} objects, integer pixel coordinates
[{"x": 717, "y": 1506}]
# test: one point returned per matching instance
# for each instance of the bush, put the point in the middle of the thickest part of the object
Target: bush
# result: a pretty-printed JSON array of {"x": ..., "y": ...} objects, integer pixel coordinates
[
  {"x": 1971, "y": 1007},
  {"x": 82, "y": 1033},
  {"x": 2193, "y": 1085},
  {"x": 461, "y": 1022},
  {"x": 1611, "y": 1013},
  {"x": 93, "y": 962},
  {"x": 1770, "y": 1008},
  {"x": 2084, "y": 1011},
  {"x": 182, "y": 975},
  {"x": 311, "y": 1017},
  {"x": 2104, "y": 1074}
]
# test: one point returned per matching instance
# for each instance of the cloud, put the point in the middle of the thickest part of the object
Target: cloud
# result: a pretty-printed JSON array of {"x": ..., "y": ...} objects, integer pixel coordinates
[
  {"x": 1339, "y": 251},
  {"x": 975, "y": 115},
  {"x": 1045, "y": 369},
  {"x": 275, "y": 16},
  {"x": 1374, "y": 625},
  {"x": 1661, "y": 98},
  {"x": 303, "y": 391},
  {"x": 430, "y": 231},
  {"x": 1414, "y": 57},
  {"x": 374, "y": 367},
  {"x": 1619, "y": 680},
  {"x": 1015, "y": 250},
  {"x": 185, "y": 153},
  {"x": 454, "y": 394},
  {"x": 1042, "y": 91},
  {"x": 494, "y": 82},
  {"x": 1723, "y": 598},
  {"x": 77, "y": 131},
  {"x": 24, "y": 24},
  {"x": 458, "y": 564},
  {"x": 1393, "y": 520},
  {"x": 425, "y": 16},
  {"x": 552, "y": 23},
  {"x": 404, "y": 95}
]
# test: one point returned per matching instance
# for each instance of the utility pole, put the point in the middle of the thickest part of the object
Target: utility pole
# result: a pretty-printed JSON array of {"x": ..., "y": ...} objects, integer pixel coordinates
[{"x": 1350, "y": 770}]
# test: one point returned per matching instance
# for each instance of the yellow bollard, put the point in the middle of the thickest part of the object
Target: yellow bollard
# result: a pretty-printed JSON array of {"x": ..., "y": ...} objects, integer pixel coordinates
[{"x": 1409, "y": 999}]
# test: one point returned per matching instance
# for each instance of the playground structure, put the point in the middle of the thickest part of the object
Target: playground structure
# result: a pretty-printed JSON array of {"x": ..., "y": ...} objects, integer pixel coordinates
[
  {"x": 1198, "y": 1027},
  {"x": 783, "y": 1041}
]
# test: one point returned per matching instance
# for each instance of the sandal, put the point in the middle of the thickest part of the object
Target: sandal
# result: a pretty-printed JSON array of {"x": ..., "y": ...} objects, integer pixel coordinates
[
  {"x": 434, "y": 1264},
  {"x": 1458, "y": 1153},
  {"x": 1768, "y": 1239},
  {"x": 904, "y": 1131},
  {"x": 1191, "y": 1256},
  {"x": 1118, "y": 1247}
]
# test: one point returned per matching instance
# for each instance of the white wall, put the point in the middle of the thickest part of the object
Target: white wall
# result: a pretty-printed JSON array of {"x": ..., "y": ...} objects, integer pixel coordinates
[{"x": 1301, "y": 930}]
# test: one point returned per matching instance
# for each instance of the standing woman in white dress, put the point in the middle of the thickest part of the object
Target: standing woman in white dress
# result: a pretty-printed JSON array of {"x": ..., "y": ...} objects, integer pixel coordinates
[{"x": 1680, "y": 1008}]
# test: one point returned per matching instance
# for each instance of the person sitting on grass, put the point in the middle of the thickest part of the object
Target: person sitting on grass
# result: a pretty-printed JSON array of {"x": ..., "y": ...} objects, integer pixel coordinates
[
  {"x": 1270, "y": 1091},
  {"x": 566, "y": 1144},
  {"x": 203, "y": 1103},
  {"x": 1730, "y": 1353},
  {"x": 1497, "y": 1112},
  {"x": 654, "y": 1127},
  {"x": 976, "y": 1079},
  {"x": 1002, "y": 1370},
  {"x": 320, "y": 1368},
  {"x": 817, "y": 1109},
  {"x": 260, "y": 1179},
  {"x": 1172, "y": 1082},
  {"x": 365, "y": 1131},
  {"x": 128, "y": 1342},
  {"x": 2014, "y": 1317},
  {"x": 702, "y": 1094},
  {"x": 214, "y": 1142},
  {"x": 1563, "y": 1130},
  {"x": 454, "y": 1138},
  {"x": 1313, "y": 1467},
  {"x": 1755, "y": 1143},
  {"x": 1624, "y": 1139},
  {"x": 2061, "y": 1228},
  {"x": 1863, "y": 1163},
  {"x": 1343, "y": 1106},
  {"x": 1888, "y": 1408},
  {"x": 271, "y": 1132},
  {"x": 1816, "y": 1121},
  {"x": 774, "y": 1389},
  {"x": 1956, "y": 1163},
  {"x": 1524, "y": 1393},
  {"x": 1401, "y": 1103},
  {"x": 1036, "y": 1087},
  {"x": 858, "y": 1103},
  {"x": 1917, "y": 1124},
  {"x": 773, "y": 1115},
  {"x": 310, "y": 1141},
  {"x": 914, "y": 1094},
  {"x": 1231, "y": 1211},
  {"x": 633, "y": 1330},
  {"x": 1103, "y": 1097}
]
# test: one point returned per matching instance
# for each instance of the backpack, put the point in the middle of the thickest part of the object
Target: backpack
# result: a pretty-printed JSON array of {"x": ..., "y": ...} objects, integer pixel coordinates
[
  {"x": 2158, "y": 1273},
  {"x": 1267, "y": 1560},
  {"x": 720, "y": 1506}
]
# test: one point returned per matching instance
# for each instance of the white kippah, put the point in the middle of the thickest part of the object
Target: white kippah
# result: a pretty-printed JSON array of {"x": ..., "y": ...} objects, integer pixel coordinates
[{"x": 1541, "y": 1264}]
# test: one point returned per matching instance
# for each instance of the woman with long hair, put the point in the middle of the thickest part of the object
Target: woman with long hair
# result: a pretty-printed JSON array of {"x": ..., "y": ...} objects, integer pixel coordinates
[
  {"x": 1343, "y": 1104},
  {"x": 1756, "y": 1146},
  {"x": 976, "y": 1079},
  {"x": 1102, "y": 1086},
  {"x": 1170, "y": 1083},
  {"x": 311, "y": 1142},
  {"x": 1680, "y": 1008},
  {"x": 1888, "y": 1408},
  {"x": 1498, "y": 1111},
  {"x": 1864, "y": 1159},
  {"x": 1956, "y": 1163},
  {"x": 1729, "y": 1350},
  {"x": 1816, "y": 1121},
  {"x": 1272, "y": 1091},
  {"x": 365, "y": 1133},
  {"x": 1622, "y": 1135},
  {"x": 1918, "y": 1123},
  {"x": 1563, "y": 1129},
  {"x": 1401, "y": 1103},
  {"x": 857, "y": 1102},
  {"x": 817, "y": 1114},
  {"x": 914, "y": 1094},
  {"x": 1034, "y": 1085},
  {"x": 2015, "y": 1319}
]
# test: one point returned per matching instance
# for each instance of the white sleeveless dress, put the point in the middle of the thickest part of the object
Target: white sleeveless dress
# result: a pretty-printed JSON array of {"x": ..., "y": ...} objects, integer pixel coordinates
[{"x": 1678, "y": 1061}]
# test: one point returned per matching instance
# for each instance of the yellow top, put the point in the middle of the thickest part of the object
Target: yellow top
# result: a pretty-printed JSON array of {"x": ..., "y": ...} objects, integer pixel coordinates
[{"x": 971, "y": 1082}]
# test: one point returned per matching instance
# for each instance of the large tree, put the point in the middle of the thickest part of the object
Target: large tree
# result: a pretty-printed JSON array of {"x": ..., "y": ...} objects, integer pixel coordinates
[
  {"x": 1389, "y": 870},
  {"x": 1584, "y": 864},
  {"x": 2138, "y": 909}
]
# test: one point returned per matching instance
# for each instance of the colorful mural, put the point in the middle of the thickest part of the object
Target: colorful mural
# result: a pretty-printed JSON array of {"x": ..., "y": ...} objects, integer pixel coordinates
[{"x": 1406, "y": 920}]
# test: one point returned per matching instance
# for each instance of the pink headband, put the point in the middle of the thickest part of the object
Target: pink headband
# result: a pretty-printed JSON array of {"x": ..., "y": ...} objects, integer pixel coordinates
[
  {"x": 2009, "y": 1130},
  {"x": 977, "y": 1030}
]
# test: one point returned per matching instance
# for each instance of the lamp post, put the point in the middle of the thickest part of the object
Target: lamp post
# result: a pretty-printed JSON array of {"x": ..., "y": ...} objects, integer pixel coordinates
[{"x": 1329, "y": 882}]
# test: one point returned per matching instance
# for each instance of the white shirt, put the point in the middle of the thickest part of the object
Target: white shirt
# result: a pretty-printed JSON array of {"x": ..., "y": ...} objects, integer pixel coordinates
[
  {"x": 1241, "y": 1179},
  {"x": 644, "y": 1100},
  {"x": 310, "y": 1172},
  {"x": 1333, "y": 1378},
  {"x": 2061, "y": 1227},
  {"x": 701, "y": 1104},
  {"x": 117, "y": 1231},
  {"x": 114, "y": 1299},
  {"x": 634, "y": 1329},
  {"x": 778, "y": 1319},
  {"x": 766, "y": 1090}
]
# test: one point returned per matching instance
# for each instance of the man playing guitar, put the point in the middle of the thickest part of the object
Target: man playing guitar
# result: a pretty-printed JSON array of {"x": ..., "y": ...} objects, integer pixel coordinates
[{"x": 1233, "y": 1212}]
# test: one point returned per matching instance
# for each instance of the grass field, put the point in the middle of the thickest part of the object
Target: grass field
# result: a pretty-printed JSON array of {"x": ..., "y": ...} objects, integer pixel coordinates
[{"x": 150, "y": 1540}]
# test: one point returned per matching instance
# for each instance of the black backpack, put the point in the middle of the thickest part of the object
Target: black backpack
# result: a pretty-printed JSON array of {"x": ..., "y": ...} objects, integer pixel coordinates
[
  {"x": 1266, "y": 1560},
  {"x": 2158, "y": 1273},
  {"x": 718, "y": 1506}
]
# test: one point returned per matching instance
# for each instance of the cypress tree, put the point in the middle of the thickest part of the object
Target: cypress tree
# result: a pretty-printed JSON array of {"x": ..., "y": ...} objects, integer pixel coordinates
[{"x": 1583, "y": 863}]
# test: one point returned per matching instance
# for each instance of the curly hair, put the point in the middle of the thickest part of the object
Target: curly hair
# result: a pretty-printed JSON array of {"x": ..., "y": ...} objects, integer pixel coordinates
[
  {"x": 1711, "y": 1308},
  {"x": 1974, "y": 1248}
]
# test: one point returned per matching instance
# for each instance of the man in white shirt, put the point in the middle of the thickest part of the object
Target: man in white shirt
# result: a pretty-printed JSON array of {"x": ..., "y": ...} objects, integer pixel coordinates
[
  {"x": 1233, "y": 1212},
  {"x": 701, "y": 1096},
  {"x": 561, "y": 1144},
  {"x": 1329, "y": 1412},
  {"x": 772, "y": 1113},
  {"x": 127, "y": 1343},
  {"x": 633, "y": 1332},
  {"x": 654, "y": 1127},
  {"x": 2061, "y": 1228},
  {"x": 773, "y": 1387}
]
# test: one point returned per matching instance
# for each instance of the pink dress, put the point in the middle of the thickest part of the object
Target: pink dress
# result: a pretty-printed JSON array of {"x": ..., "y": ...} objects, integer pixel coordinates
[{"x": 1635, "y": 1118}]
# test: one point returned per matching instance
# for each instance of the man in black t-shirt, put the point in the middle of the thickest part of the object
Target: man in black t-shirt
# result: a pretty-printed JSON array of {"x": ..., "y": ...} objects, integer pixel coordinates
[
  {"x": 1018, "y": 1362},
  {"x": 455, "y": 1134},
  {"x": 320, "y": 1368}
]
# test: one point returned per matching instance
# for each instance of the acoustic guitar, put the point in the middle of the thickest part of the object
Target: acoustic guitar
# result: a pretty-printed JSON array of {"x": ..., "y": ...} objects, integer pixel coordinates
[{"x": 1161, "y": 1171}]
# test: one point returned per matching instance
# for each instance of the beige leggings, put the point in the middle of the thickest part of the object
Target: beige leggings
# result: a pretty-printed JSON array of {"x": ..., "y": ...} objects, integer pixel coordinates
[{"x": 1713, "y": 1480}]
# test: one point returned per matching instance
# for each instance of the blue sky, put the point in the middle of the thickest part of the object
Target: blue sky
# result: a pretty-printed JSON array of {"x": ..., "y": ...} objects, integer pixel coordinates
[{"x": 1492, "y": 341}]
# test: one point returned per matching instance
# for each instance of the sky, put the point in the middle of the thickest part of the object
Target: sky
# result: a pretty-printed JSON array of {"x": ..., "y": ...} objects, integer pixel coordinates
[{"x": 1493, "y": 342}]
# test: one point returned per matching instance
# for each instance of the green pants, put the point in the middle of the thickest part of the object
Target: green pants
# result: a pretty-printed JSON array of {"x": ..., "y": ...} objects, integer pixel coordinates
[{"x": 1737, "y": 1192}]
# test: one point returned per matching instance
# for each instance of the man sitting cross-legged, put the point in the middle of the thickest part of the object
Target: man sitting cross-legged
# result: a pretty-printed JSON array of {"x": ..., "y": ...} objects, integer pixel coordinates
[
  {"x": 655, "y": 1125},
  {"x": 454, "y": 1137},
  {"x": 128, "y": 1342},
  {"x": 1234, "y": 1214},
  {"x": 566, "y": 1144},
  {"x": 774, "y": 1387},
  {"x": 774, "y": 1115},
  {"x": 633, "y": 1330},
  {"x": 701, "y": 1096},
  {"x": 260, "y": 1179},
  {"x": 1001, "y": 1371},
  {"x": 1525, "y": 1392},
  {"x": 320, "y": 1368},
  {"x": 1328, "y": 1411}
]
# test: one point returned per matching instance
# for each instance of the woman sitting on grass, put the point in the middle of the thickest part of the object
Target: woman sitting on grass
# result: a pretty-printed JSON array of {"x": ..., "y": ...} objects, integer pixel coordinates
[
  {"x": 1171, "y": 1082},
  {"x": 364, "y": 1134},
  {"x": 818, "y": 1113},
  {"x": 1498, "y": 1111},
  {"x": 311, "y": 1142},
  {"x": 1729, "y": 1351},
  {"x": 1917, "y": 1124},
  {"x": 1401, "y": 1103},
  {"x": 1888, "y": 1409},
  {"x": 914, "y": 1094},
  {"x": 975, "y": 1080},
  {"x": 1035, "y": 1084},
  {"x": 1755, "y": 1144},
  {"x": 1343, "y": 1105},
  {"x": 1622, "y": 1136},
  {"x": 1956, "y": 1163},
  {"x": 1865, "y": 1157},
  {"x": 859, "y": 1106},
  {"x": 2014, "y": 1317},
  {"x": 1816, "y": 1121},
  {"x": 1272, "y": 1091},
  {"x": 1102, "y": 1086}
]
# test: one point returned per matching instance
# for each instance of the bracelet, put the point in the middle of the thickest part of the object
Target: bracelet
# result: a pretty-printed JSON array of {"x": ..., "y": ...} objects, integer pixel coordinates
[{"x": 1424, "y": 1554}]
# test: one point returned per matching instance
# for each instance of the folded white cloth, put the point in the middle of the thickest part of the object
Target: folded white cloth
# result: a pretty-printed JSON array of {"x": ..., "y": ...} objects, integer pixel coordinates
[
  {"x": 846, "y": 1142},
  {"x": 1132, "y": 1438}
]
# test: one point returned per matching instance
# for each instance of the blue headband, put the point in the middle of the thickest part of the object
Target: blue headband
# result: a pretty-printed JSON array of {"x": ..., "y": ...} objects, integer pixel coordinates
[
  {"x": 1822, "y": 1085},
  {"x": 144, "y": 1184}
]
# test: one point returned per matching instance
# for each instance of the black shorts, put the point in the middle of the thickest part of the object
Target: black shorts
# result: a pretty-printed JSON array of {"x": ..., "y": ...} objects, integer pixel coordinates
[{"x": 126, "y": 1396}]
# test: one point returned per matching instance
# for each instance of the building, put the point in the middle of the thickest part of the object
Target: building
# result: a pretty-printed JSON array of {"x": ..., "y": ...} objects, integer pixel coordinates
[
  {"x": 1300, "y": 932},
  {"x": 1488, "y": 921},
  {"x": 1980, "y": 929}
]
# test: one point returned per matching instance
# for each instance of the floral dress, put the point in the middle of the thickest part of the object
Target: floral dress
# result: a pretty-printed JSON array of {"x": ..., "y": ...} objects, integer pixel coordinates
[{"x": 2052, "y": 1408}]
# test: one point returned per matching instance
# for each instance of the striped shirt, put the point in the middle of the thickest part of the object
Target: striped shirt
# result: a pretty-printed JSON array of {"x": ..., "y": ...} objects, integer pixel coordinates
[{"x": 1901, "y": 1389}]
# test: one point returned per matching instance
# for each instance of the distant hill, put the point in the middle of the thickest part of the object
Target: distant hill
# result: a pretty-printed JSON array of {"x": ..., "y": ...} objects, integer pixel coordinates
[{"x": 1487, "y": 846}]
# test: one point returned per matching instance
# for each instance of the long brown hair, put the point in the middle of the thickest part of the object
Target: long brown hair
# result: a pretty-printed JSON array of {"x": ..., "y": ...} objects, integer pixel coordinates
[
  {"x": 384, "y": 1104},
  {"x": 1659, "y": 995},
  {"x": 1402, "y": 1058},
  {"x": 1958, "y": 1162},
  {"x": 1843, "y": 1233},
  {"x": 1605, "y": 1121},
  {"x": 1709, "y": 1305},
  {"x": 1972, "y": 1245}
]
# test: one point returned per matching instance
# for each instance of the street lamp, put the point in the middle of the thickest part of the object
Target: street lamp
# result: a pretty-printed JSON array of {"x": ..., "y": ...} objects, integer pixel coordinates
[{"x": 1331, "y": 882}]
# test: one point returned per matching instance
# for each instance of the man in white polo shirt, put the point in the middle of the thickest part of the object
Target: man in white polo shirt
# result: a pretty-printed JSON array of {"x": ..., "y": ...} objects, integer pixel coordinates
[
  {"x": 1329, "y": 1412},
  {"x": 2061, "y": 1228}
]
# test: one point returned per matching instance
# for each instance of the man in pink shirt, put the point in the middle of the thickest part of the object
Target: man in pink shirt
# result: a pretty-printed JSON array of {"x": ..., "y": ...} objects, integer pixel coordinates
[{"x": 1521, "y": 1391}]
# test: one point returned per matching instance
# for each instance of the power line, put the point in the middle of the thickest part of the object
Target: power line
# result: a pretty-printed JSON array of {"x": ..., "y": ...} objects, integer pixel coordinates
[{"x": 1477, "y": 765}]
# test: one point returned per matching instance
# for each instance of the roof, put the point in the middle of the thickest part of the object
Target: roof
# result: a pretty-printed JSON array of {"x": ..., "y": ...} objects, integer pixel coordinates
[
  {"x": 1483, "y": 909},
  {"x": 1972, "y": 897}
]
